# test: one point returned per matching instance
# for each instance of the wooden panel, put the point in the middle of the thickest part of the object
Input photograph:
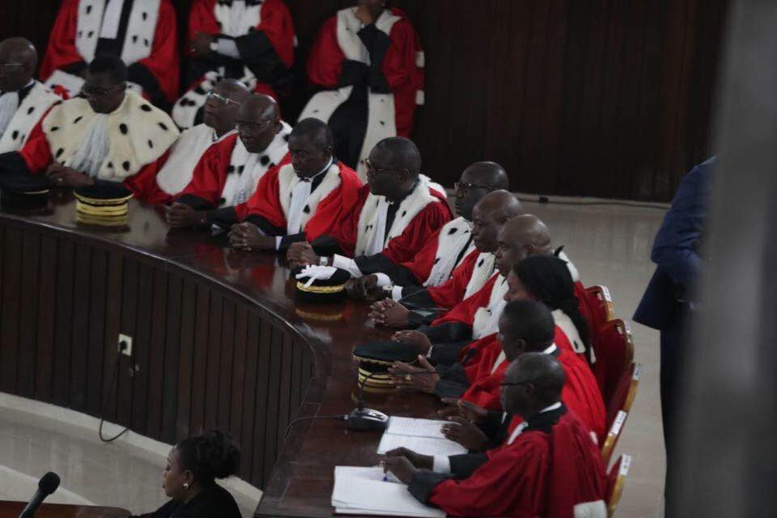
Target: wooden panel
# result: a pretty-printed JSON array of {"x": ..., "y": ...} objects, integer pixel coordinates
[
  {"x": 113, "y": 326},
  {"x": 172, "y": 358},
  {"x": 9, "y": 336},
  {"x": 158, "y": 344},
  {"x": 80, "y": 345},
  {"x": 226, "y": 366},
  {"x": 239, "y": 372},
  {"x": 28, "y": 330},
  {"x": 186, "y": 358},
  {"x": 213, "y": 370},
  {"x": 250, "y": 391},
  {"x": 200, "y": 361},
  {"x": 98, "y": 348},
  {"x": 45, "y": 325},
  {"x": 266, "y": 400},
  {"x": 63, "y": 322},
  {"x": 125, "y": 375}
]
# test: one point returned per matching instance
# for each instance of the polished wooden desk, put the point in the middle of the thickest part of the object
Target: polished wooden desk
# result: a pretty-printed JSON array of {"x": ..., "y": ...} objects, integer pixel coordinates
[
  {"x": 218, "y": 343},
  {"x": 13, "y": 509}
]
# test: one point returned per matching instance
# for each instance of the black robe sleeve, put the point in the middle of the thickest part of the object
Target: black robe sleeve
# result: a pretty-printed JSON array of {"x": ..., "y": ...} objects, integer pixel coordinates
[
  {"x": 140, "y": 74},
  {"x": 462, "y": 466},
  {"x": 448, "y": 332},
  {"x": 423, "y": 483},
  {"x": 453, "y": 381},
  {"x": 260, "y": 57},
  {"x": 195, "y": 202},
  {"x": 377, "y": 43},
  {"x": 375, "y": 263}
]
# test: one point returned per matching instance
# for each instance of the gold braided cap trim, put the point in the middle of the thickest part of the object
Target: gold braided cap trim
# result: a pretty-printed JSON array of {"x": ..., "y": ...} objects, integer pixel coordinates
[
  {"x": 103, "y": 201},
  {"x": 320, "y": 289},
  {"x": 101, "y": 211}
]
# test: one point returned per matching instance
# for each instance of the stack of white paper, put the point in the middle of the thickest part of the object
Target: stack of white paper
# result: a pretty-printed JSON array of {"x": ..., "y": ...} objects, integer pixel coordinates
[
  {"x": 364, "y": 491},
  {"x": 420, "y": 435}
]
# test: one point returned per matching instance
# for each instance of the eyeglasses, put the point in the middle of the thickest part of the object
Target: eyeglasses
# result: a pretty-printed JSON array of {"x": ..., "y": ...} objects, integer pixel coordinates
[
  {"x": 465, "y": 186},
  {"x": 223, "y": 99},
  {"x": 93, "y": 91},
  {"x": 372, "y": 167},
  {"x": 252, "y": 127}
]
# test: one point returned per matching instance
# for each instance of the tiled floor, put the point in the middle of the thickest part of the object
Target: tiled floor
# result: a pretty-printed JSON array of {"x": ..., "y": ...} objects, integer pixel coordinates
[{"x": 609, "y": 244}]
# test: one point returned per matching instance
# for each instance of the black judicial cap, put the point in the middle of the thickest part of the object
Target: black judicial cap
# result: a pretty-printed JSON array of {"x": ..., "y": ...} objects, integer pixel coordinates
[
  {"x": 320, "y": 291},
  {"x": 24, "y": 184},
  {"x": 374, "y": 360}
]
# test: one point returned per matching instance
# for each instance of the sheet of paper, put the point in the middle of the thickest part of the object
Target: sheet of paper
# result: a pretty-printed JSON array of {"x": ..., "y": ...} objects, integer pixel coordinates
[
  {"x": 422, "y": 445},
  {"x": 357, "y": 491},
  {"x": 416, "y": 427}
]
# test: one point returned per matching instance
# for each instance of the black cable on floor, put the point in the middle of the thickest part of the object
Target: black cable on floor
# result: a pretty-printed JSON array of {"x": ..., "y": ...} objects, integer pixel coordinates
[{"x": 114, "y": 377}]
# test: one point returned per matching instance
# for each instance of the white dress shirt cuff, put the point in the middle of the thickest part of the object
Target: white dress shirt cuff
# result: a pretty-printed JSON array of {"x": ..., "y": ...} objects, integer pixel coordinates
[
  {"x": 383, "y": 279},
  {"x": 396, "y": 292},
  {"x": 442, "y": 464},
  {"x": 278, "y": 242},
  {"x": 349, "y": 265}
]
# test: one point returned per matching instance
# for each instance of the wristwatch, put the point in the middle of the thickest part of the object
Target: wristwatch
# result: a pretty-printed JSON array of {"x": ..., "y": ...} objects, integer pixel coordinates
[
  {"x": 388, "y": 291},
  {"x": 214, "y": 45},
  {"x": 323, "y": 261}
]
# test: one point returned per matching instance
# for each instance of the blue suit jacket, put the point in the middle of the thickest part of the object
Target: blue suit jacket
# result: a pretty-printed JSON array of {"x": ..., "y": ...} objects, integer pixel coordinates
[{"x": 675, "y": 251}]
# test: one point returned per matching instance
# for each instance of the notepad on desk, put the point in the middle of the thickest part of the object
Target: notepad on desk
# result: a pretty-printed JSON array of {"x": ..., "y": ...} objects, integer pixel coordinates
[
  {"x": 420, "y": 435},
  {"x": 364, "y": 491}
]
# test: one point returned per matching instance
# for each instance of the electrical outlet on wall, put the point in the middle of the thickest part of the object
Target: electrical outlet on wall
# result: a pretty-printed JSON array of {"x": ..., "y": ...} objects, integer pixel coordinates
[{"x": 125, "y": 345}]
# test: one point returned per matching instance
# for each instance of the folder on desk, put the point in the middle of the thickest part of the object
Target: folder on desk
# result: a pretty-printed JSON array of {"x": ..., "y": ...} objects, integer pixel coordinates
[
  {"x": 363, "y": 491},
  {"x": 420, "y": 435}
]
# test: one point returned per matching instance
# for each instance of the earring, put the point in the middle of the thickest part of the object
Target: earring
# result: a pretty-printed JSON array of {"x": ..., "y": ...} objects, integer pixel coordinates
[{"x": 186, "y": 486}]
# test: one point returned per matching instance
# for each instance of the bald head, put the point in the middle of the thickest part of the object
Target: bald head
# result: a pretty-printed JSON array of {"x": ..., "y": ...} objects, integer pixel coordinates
[
  {"x": 533, "y": 382},
  {"x": 19, "y": 59},
  {"x": 489, "y": 215},
  {"x": 259, "y": 121},
  {"x": 476, "y": 181},
  {"x": 221, "y": 110},
  {"x": 394, "y": 166},
  {"x": 519, "y": 238}
]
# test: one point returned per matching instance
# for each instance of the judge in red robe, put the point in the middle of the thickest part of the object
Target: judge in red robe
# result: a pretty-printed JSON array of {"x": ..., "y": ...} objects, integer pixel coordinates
[
  {"x": 221, "y": 112},
  {"x": 446, "y": 249},
  {"x": 423, "y": 306},
  {"x": 391, "y": 221},
  {"x": 248, "y": 40},
  {"x": 307, "y": 198},
  {"x": 228, "y": 173},
  {"x": 547, "y": 467},
  {"x": 143, "y": 34},
  {"x": 111, "y": 136},
  {"x": 24, "y": 102},
  {"x": 369, "y": 61}
]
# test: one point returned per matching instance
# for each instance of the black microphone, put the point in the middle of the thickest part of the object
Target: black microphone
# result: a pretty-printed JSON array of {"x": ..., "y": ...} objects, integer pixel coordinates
[
  {"x": 47, "y": 484},
  {"x": 367, "y": 418}
]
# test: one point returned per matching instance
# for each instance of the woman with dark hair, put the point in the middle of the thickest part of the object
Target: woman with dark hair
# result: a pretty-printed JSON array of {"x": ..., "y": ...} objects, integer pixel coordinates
[
  {"x": 546, "y": 278},
  {"x": 190, "y": 477}
]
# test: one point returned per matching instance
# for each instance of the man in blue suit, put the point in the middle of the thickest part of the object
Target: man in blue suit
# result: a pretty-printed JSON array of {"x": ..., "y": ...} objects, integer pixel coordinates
[{"x": 670, "y": 299}]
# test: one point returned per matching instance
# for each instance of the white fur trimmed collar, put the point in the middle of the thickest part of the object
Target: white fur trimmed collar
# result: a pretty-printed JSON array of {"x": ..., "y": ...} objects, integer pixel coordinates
[
  {"x": 138, "y": 132},
  {"x": 408, "y": 209},
  {"x": 454, "y": 237},
  {"x": 34, "y": 106},
  {"x": 288, "y": 179}
]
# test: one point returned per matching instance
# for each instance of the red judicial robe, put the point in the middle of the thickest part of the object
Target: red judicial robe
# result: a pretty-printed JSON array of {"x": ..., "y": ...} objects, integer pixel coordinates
[
  {"x": 328, "y": 206},
  {"x": 418, "y": 216},
  {"x": 264, "y": 37},
  {"x": 146, "y": 41},
  {"x": 35, "y": 102},
  {"x": 384, "y": 59},
  {"x": 551, "y": 470},
  {"x": 140, "y": 136},
  {"x": 581, "y": 392},
  {"x": 443, "y": 252},
  {"x": 227, "y": 174}
]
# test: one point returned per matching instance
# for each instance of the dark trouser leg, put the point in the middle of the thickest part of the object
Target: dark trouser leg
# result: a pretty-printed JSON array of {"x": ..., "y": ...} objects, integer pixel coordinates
[{"x": 673, "y": 348}]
